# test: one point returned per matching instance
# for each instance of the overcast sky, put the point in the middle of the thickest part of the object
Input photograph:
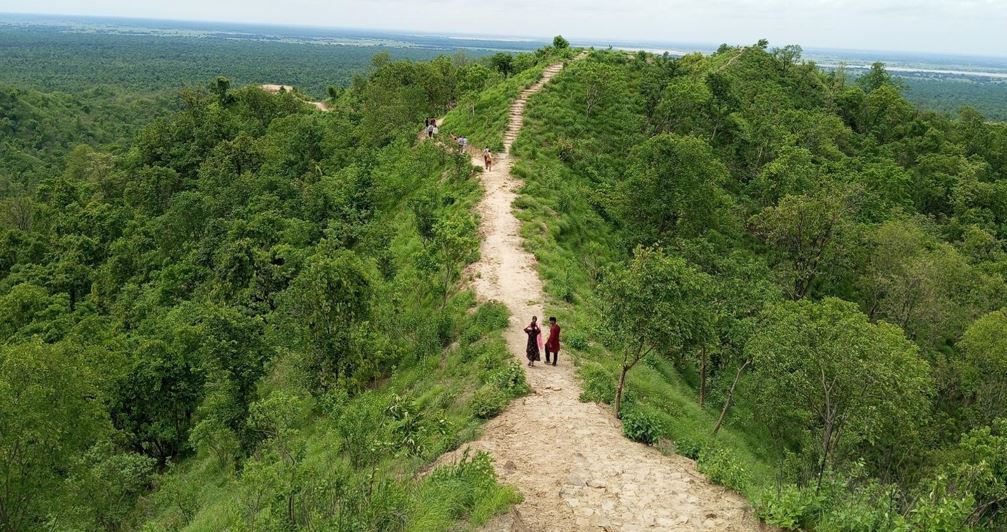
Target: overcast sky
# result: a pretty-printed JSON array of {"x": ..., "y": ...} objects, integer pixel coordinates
[{"x": 951, "y": 26}]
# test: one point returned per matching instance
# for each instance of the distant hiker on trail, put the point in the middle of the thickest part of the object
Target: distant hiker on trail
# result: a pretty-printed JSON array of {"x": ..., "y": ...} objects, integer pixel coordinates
[
  {"x": 463, "y": 142},
  {"x": 552, "y": 345},
  {"x": 431, "y": 130},
  {"x": 487, "y": 159},
  {"x": 533, "y": 331}
]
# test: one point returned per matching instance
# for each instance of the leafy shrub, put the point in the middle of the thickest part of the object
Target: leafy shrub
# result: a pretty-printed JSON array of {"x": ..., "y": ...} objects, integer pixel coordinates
[
  {"x": 575, "y": 340},
  {"x": 111, "y": 484},
  {"x": 477, "y": 471},
  {"x": 181, "y": 496},
  {"x": 566, "y": 151},
  {"x": 213, "y": 437},
  {"x": 598, "y": 385},
  {"x": 510, "y": 379},
  {"x": 861, "y": 517},
  {"x": 487, "y": 356},
  {"x": 562, "y": 285},
  {"x": 333, "y": 401},
  {"x": 361, "y": 427},
  {"x": 488, "y": 402},
  {"x": 689, "y": 447},
  {"x": 408, "y": 426},
  {"x": 489, "y": 317},
  {"x": 445, "y": 329},
  {"x": 562, "y": 290},
  {"x": 789, "y": 507},
  {"x": 722, "y": 466},
  {"x": 492, "y": 316},
  {"x": 642, "y": 426},
  {"x": 941, "y": 509}
]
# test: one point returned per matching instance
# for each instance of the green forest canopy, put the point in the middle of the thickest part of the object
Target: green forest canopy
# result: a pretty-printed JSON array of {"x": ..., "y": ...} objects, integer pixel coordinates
[{"x": 249, "y": 310}]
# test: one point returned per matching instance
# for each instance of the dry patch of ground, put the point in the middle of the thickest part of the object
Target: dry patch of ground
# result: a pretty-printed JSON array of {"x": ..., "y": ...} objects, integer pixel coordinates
[{"x": 276, "y": 89}]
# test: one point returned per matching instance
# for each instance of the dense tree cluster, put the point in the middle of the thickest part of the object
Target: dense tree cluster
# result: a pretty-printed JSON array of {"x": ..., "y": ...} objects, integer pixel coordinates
[
  {"x": 248, "y": 311},
  {"x": 950, "y": 94},
  {"x": 38, "y": 129},
  {"x": 249, "y": 283},
  {"x": 140, "y": 60}
]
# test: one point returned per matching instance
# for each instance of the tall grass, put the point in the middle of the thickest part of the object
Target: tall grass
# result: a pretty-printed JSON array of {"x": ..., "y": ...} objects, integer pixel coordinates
[{"x": 482, "y": 117}]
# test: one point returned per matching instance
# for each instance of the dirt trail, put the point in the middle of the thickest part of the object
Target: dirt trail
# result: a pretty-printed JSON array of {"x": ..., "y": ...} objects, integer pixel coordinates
[
  {"x": 276, "y": 89},
  {"x": 569, "y": 459}
]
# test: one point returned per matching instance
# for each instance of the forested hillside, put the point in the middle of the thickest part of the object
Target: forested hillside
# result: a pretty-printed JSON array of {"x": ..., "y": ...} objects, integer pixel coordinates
[
  {"x": 800, "y": 277},
  {"x": 229, "y": 310},
  {"x": 251, "y": 317},
  {"x": 139, "y": 60},
  {"x": 62, "y": 86},
  {"x": 38, "y": 130},
  {"x": 949, "y": 95}
]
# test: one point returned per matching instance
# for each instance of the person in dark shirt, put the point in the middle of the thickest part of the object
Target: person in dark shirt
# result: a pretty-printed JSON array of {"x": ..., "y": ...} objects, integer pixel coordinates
[{"x": 533, "y": 331}]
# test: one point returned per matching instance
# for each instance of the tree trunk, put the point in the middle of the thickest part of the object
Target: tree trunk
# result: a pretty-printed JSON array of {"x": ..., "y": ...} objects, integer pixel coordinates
[
  {"x": 702, "y": 376},
  {"x": 826, "y": 448},
  {"x": 730, "y": 396},
  {"x": 618, "y": 391}
]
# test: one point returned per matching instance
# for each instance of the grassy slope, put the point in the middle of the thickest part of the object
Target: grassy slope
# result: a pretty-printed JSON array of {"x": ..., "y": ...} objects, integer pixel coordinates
[
  {"x": 567, "y": 161},
  {"x": 368, "y": 452},
  {"x": 483, "y": 117},
  {"x": 441, "y": 389}
]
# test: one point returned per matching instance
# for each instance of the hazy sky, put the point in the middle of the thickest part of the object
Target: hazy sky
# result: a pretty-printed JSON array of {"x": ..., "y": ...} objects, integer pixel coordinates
[{"x": 953, "y": 26}]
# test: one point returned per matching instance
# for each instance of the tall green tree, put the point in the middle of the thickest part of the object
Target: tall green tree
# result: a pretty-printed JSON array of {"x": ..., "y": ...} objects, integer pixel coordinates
[
  {"x": 52, "y": 413},
  {"x": 324, "y": 306},
  {"x": 806, "y": 234},
  {"x": 823, "y": 369},
  {"x": 672, "y": 189},
  {"x": 655, "y": 304},
  {"x": 984, "y": 367},
  {"x": 875, "y": 78}
]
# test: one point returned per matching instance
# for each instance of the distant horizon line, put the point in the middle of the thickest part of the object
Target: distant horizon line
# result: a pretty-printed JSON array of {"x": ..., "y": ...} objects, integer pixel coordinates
[{"x": 644, "y": 43}]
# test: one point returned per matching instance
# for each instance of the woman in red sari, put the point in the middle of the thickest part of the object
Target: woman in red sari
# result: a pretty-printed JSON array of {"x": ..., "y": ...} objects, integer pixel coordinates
[{"x": 533, "y": 331}]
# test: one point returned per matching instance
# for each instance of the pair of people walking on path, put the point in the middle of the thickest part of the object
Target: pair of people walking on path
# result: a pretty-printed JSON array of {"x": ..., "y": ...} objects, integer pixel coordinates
[
  {"x": 462, "y": 142},
  {"x": 534, "y": 333}
]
